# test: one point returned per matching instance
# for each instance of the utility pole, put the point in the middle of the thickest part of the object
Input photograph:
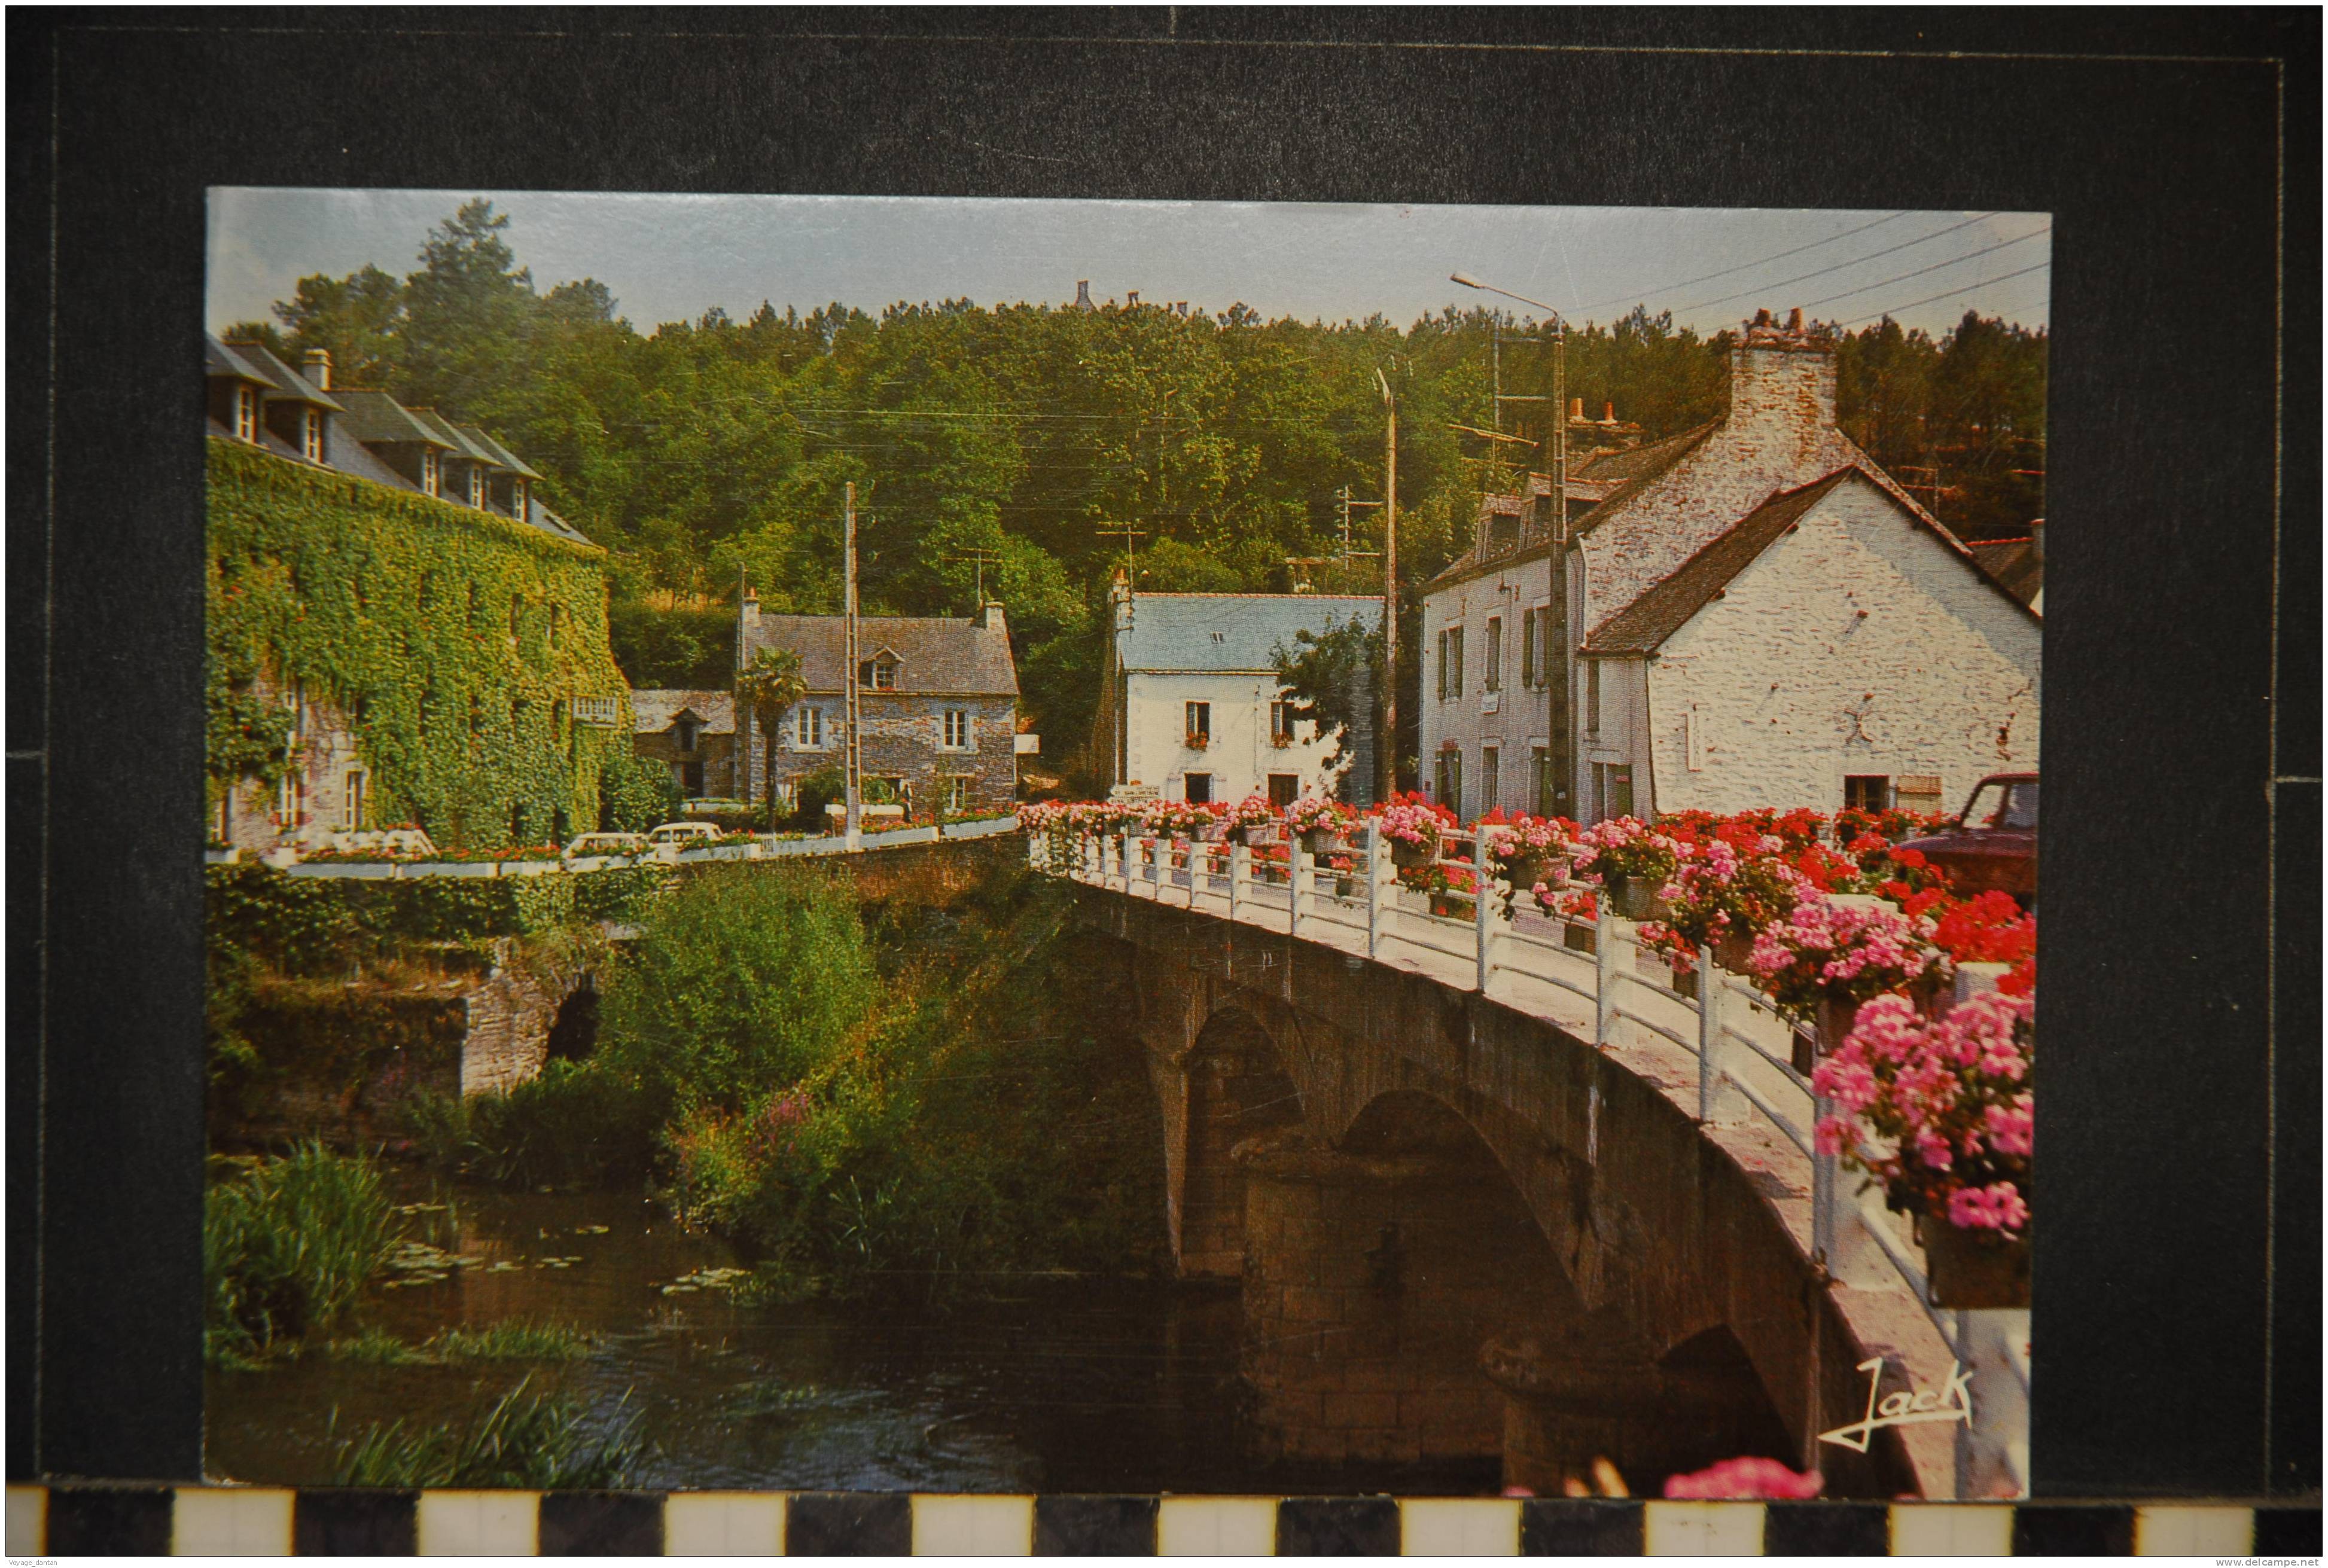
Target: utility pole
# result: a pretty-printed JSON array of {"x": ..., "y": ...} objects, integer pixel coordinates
[
  {"x": 1127, "y": 532},
  {"x": 1560, "y": 429},
  {"x": 852, "y": 785},
  {"x": 1387, "y": 765},
  {"x": 1349, "y": 550}
]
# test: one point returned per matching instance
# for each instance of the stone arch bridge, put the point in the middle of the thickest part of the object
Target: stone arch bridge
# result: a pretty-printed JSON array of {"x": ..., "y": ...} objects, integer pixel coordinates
[{"x": 1461, "y": 1231}]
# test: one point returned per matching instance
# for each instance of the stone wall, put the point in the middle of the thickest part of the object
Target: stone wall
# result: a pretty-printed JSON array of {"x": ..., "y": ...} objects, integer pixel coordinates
[{"x": 902, "y": 737}]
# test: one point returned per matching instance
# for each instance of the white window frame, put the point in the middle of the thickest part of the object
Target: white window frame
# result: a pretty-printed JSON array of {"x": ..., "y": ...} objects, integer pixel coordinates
[
  {"x": 954, "y": 729},
  {"x": 432, "y": 472},
  {"x": 477, "y": 487},
  {"x": 957, "y": 795},
  {"x": 1199, "y": 718},
  {"x": 246, "y": 413},
  {"x": 312, "y": 435},
  {"x": 808, "y": 727},
  {"x": 352, "y": 800}
]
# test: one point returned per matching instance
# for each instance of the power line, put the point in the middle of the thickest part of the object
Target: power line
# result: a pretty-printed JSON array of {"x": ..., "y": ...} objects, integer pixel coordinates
[
  {"x": 1949, "y": 293},
  {"x": 1935, "y": 267},
  {"x": 1742, "y": 266},
  {"x": 1839, "y": 266}
]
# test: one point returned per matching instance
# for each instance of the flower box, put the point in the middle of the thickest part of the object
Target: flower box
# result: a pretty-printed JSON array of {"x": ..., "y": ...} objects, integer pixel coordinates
[
  {"x": 1974, "y": 1270},
  {"x": 530, "y": 868},
  {"x": 1635, "y": 898},
  {"x": 454, "y": 869},
  {"x": 1732, "y": 949},
  {"x": 1317, "y": 841},
  {"x": 1198, "y": 742}
]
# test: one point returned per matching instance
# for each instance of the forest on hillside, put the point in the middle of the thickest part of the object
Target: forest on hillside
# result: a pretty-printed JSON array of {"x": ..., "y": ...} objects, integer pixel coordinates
[{"x": 1018, "y": 441}]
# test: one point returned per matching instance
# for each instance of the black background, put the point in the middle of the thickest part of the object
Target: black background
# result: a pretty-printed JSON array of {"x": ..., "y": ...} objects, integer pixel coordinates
[{"x": 2178, "y": 1267}]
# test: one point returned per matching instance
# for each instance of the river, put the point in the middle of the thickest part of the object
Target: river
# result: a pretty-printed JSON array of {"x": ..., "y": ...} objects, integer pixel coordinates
[{"x": 1051, "y": 1385}]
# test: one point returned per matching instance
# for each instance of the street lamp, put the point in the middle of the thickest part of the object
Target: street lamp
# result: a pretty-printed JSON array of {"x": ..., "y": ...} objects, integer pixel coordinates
[{"x": 1559, "y": 397}]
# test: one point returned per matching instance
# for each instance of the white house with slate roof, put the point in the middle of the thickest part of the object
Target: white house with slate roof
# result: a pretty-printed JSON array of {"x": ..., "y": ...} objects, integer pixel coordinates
[
  {"x": 1192, "y": 708},
  {"x": 1602, "y": 670}
]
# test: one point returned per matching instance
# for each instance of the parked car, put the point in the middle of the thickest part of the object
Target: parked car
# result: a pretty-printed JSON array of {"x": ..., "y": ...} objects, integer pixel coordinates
[
  {"x": 1992, "y": 843},
  {"x": 684, "y": 835},
  {"x": 589, "y": 844}
]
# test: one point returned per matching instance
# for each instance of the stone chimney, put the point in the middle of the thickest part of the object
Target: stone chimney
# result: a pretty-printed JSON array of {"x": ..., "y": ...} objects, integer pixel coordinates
[
  {"x": 317, "y": 367},
  {"x": 751, "y": 612},
  {"x": 1082, "y": 295},
  {"x": 990, "y": 617},
  {"x": 1782, "y": 380},
  {"x": 1608, "y": 413},
  {"x": 1132, "y": 297},
  {"x": 1575, "y": 409}
]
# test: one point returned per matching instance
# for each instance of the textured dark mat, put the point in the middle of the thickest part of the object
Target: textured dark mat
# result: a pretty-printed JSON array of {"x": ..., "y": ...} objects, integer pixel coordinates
[
  {"x": 2046, "y": 1530},
  {"x": 355, "y": 1524},
  {"x": 1338, "y": 1527},
  {"x": 601, "y": 1525},
  {"x": 1580, "y": 1527},
  {"x": 1813, "y": 1529},
  {"x": 2288, "y": 1532},
  {"x": 849, "y": 1525},
  {"x": 108, "y": 1522},
  {"x": 1091, "y": 1527}
]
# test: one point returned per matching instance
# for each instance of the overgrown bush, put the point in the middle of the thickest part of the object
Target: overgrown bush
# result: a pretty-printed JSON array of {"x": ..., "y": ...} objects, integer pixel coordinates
[
  {"x": 287, "y": 1247},
  {"x": 815, "y": 791},
  {"x": 577, "y": 1124},
  {"x": 746, "y": 977},
  {"x": 985, "y": 1127}
]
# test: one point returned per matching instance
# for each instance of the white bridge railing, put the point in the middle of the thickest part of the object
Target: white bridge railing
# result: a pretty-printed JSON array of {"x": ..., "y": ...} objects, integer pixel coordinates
[{"x": 1593, "y": 979}]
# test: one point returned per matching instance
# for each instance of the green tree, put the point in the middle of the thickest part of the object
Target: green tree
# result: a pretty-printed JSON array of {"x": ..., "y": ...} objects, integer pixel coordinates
[{"x": 1330, "y": 678}]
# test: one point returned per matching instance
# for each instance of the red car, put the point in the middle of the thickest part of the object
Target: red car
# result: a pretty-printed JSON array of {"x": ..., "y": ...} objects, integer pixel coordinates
[{"x": 1994, "y": 842}]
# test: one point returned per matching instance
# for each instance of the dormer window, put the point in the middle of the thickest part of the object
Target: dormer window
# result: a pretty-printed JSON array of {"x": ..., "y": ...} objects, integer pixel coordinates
[
  {"x": 879, "y": 674},
  {"x": 246, "y": 413},
  {"x": 312, "y": 435},
  {"x": 431, "y": 474},
  {"x": 684, "y": 730},
  {"x": 517, "y": 499},
  {"x": 477, "y": 488}
]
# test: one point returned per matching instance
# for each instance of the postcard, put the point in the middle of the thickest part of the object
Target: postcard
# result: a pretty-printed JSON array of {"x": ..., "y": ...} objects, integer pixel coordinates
[{"x": 973, "y": 846}]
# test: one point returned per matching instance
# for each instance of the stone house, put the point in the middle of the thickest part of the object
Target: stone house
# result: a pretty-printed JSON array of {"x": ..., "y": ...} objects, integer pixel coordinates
[
  {"x": 938, "y": 707},
  {"x": 253, "y": 399},
  {"x": 693, "y": 734},
  {"x": 1540, "y": 694},
  {"x": 1191, "y": 706}
]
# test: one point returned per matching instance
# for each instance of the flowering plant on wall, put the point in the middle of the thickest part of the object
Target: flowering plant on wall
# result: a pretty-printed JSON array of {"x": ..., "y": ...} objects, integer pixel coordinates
[
  {"x": 1413, "y": 826},
  {"x": 1825, "y": 951},
  {"x": 1316, "y": 814},
  {"x": 1940, "y": 1112},
  {"x": 1628, "y": 846},
  {"x": 1249, "y": 813},
  {"x": 1892, "y": 825},
  {"x": 1747, "y": 1477},
  {"x": 1715, "y": 893}
]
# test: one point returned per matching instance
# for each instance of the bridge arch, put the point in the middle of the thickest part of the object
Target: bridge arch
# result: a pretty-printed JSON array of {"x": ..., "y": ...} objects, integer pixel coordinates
[{"x": 1238, "y": 1089}]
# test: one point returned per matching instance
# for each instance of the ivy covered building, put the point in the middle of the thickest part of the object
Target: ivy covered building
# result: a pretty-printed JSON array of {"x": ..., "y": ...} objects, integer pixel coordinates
[{"x": 399, "y": 631}]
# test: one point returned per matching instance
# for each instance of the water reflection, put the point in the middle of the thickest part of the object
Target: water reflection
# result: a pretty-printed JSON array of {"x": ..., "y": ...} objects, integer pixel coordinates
[{"x": 1070, "y": 1386}]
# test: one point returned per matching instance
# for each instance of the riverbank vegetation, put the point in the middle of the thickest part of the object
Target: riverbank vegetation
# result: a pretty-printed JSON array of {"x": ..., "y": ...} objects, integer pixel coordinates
[
  {"x": 523, "y": 1439},
  {"x": 895, "y": 1099},
  {"x": 287, "y": 1247},
  {"x": 511, "y": 1340}
]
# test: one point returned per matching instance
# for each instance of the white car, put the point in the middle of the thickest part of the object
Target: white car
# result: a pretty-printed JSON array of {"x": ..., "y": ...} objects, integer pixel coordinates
[
  {"x": 590, "y": 844},
  {"x": 682, "y": 835}
]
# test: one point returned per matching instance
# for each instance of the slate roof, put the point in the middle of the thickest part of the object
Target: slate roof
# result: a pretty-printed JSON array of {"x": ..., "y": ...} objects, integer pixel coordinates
[
  {"x": 377, "y": 416},
  {"x": 1642, "y": 626},
  {"x": 1625, "y": 463},
  {"x": 654, "y": 709},
  {"x": 1176, "y": 632},
  {"x": 495, "y": 450},
  {"x": 451, "y": 434},
  {"x": 937, "y": 656},
  {"x": 218, "y": 360},
  {"x": 2015, "y": 565},
  {"x": 290, "y": 384}
]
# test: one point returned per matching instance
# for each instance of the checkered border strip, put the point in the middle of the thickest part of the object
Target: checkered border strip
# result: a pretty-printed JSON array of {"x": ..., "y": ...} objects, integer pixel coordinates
[{"x": 257, "y": 1521}]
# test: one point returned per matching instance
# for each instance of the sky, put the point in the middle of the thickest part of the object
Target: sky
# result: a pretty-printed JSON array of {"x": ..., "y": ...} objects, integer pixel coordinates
[{"x": 671, "y": 258}]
